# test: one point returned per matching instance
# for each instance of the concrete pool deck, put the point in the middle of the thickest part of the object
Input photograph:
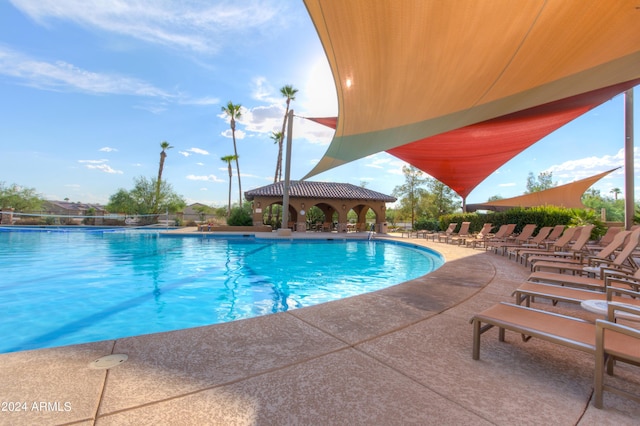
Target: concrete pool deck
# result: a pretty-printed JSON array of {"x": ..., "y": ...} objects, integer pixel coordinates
[{"x": 401, "y": 355}]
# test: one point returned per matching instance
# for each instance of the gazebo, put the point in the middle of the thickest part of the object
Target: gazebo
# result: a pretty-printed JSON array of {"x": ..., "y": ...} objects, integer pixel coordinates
[{"x": 333, "y": 199}]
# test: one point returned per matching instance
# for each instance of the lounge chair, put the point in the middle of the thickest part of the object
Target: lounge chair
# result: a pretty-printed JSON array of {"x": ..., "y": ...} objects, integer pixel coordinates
[
  {"x": 558, "y": 245},
  {"x": 599, "y": 283},
  {"x": 555, "y": 233},
  {"x": 460, "y": 236},
  {"x": 612, "y": 231},
  {"x": 521, "y": 238},
  {"x": 614, "y": 342},
  {"x": 444, "y": 235},
  {"x": 534, "y": 243},
  {"x": 575, "y": 251},
  {"x": 501, "y": 235},
  {"x": 529, "y": 292},
  {"x": 479, "y": 238},
  {"x": 607, "y": 258},
  {"x": 605, "y": 340}
]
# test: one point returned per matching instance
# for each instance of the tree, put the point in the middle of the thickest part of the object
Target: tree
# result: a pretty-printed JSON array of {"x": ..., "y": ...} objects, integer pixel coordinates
[
  {"x": 233, "y": 112},
  {"x": 290, "y": 93},
  {"x": 19, "y": 198},
  {"x": 410, "y": 191},
  {"x": 164, "y": 145},
  {"x": 277, "y": 139},
  {"x": 228, "y": 159},
  {"x": 439, "y": 199},
  {"x": 141, "y": 200},
  {"x": 122, "y": 202},
  {"x": 615, "y": 192},
  {"x": 544, "y": 181}
]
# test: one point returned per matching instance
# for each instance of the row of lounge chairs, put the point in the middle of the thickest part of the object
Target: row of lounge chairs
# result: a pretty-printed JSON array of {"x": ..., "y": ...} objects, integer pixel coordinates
[{"x": 568, "y": 269}]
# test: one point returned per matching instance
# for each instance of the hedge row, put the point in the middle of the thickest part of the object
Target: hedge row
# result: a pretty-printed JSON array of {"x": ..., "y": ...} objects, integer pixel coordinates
[{"x": 541, "y": 216}]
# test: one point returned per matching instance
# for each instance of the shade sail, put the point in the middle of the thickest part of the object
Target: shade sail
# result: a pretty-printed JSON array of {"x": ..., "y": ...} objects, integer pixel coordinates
[
  {"x": 408, "y": 70},
  {"x": 569, "y": 196},
  {"x": 463, "y": 158}
]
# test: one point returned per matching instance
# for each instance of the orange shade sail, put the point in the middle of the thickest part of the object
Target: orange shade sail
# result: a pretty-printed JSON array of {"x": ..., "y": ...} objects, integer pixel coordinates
[
  {"x": 409, "y": 70},
  {"x": 568, "y": 196}
]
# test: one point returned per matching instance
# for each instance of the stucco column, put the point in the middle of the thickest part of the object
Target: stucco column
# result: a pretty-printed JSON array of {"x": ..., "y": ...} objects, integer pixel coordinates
[{"x": 6, "y": 217}]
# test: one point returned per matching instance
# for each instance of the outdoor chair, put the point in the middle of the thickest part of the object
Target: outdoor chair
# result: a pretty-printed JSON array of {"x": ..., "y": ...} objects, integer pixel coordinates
[
  {"x": 521, "y": 238},
  {"x": 608, "y": 257},
  {"x": 460, "y": 236},
  {"x": 574, "y": 251},
  {"x": 557, "y": 246},
  {"x": 480, "y": 237},
  {"x": 533, "y": 243},
  {"x": 606, "y": 340},
  {"x": 445, "y": 234}
]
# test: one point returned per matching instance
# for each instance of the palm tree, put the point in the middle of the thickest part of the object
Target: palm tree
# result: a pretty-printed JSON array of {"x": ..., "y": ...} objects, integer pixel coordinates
[
  {"x": 616, "y": 192},
  {"x": 290, "y": 93},
  {"x": 228, "y": 159},
  {"x": 277, "y": 139},
  {"x": 233, "y": 111},
  {"x": 165, "y": 146}
]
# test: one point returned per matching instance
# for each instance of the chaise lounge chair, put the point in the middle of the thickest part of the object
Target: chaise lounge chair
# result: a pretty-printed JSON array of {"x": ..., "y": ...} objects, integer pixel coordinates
[
  {"x": 462, "y": 234},
  {"x": 444, "y": 235},
  {"x": 606, "y": 340},
  {"x": 607, "y": 258},
  {"x": 521, "y": 238},
  {"x": 534, "y": 243},
  {"x": 559, "y": 245},
  {"x": 480, "y": 237},
  {"x": 574, "y": 252},
  {"x": 529, "y": 292}
]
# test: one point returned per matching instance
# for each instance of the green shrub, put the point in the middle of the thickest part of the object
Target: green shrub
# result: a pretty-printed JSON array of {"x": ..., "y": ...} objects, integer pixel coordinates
[
  {"x": 426, "y": 224},
  {"x": 240, "y": 217}
]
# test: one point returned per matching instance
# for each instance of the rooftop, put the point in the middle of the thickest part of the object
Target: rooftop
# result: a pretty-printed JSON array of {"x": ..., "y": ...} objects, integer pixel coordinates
[
  {"x": 401, "y": 355},
  {"x": 307, "y": 189}
]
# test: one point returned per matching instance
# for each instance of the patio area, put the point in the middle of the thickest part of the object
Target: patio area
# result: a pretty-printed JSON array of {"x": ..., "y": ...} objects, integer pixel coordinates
[{"x": 401, "y": 355}]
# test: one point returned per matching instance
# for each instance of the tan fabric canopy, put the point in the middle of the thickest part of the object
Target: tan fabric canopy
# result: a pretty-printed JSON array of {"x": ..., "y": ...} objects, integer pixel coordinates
[
  {"x": 569, "y": 196},
  {"x": 407, "y": 70}
]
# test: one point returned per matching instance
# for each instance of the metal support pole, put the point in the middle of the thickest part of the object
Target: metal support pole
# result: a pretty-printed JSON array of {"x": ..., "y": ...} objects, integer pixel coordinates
[
  {"x": 629, "y": 193},
  {"x": 287, "y": 173}
]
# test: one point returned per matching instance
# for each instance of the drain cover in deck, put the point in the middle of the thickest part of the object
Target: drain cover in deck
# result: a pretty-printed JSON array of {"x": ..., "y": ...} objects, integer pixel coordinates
[{"x": 108, "y": 361}]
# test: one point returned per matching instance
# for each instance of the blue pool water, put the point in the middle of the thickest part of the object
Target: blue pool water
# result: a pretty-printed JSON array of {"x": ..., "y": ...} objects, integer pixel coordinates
[{"x": 59, "y": 288}]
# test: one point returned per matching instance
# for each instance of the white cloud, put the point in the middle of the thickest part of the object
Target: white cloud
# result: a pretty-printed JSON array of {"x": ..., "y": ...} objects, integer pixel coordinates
[
  {"x": 507, "y": 184},
  {"x": 93, "y": 161},
  {"x": 196, "y": 25},
  {"x": 100, "y": 165},
  {"x": 104, "y": 168},
  {"x": 108, "y": 149},
  {"x": 572, "y": 170},
  {"x": 191, "y": 151},
  {"x": 239, "y": 134},
  {"x": 208, "y": 178},
  {"x": 62, "y": 75}
]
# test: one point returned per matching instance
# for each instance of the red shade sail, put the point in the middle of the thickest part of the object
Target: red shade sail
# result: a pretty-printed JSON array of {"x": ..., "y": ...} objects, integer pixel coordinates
[{"x": 463, "y": 158}]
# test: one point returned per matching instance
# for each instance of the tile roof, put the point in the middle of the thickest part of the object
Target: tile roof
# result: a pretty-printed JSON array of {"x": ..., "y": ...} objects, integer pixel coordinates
[{"x": 307, "y": 189}]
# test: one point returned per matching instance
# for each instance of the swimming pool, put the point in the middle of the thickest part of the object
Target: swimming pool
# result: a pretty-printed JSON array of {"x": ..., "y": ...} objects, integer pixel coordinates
[{"x": 60, "y": 288}]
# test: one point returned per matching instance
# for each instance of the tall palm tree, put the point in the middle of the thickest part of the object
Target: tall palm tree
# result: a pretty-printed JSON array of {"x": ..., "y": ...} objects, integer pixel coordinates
[
  {"x": 163, "y": 155},
  {"x": 277, "y": 139},
  {"x": 228, "y": 159},
  {"x": 290, "y": 93},
  {"x": 616, "y": 192},
  {"x": 233, "y": 112}
]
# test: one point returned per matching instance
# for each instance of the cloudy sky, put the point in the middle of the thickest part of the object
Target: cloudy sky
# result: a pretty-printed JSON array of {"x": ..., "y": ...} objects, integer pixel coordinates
[{"x": 90, "y": 88}]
